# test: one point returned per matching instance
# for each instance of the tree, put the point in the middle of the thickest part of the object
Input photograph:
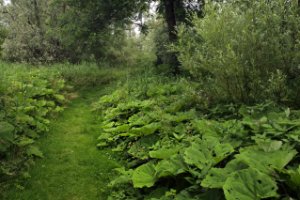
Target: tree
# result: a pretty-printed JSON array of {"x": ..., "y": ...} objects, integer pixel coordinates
[
  {"x": 75, "y": 30},
  {"x": 175, "y": 12},
  {"x": 87, "y": 26},
  {"x": 27, "y": 38}
]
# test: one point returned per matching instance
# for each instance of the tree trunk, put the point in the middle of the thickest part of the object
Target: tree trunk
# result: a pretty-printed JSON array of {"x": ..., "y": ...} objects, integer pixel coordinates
[
  {"x": 37, "y": 14},
  {"x": 64, "y": 7},
  {"x": 170, "y": 18}
]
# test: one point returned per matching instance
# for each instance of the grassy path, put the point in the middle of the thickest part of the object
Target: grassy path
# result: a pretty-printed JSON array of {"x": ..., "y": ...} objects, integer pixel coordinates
[{"x": 73, "y": 168}]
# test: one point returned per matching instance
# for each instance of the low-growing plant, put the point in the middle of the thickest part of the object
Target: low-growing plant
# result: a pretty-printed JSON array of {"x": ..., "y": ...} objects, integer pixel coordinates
[
  {"x": 28, "y": 99},
  {"x": 176, "y": 146}
]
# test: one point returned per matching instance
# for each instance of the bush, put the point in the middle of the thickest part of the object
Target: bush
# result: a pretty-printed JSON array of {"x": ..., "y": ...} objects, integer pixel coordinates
[
  {"x": 28, "y": 99},
  {"x": 239, "y": 47}
]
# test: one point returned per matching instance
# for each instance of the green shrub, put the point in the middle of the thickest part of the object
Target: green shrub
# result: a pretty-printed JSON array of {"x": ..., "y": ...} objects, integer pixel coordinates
[
  {"x": 28, "y": 99},
  {"x": 239, "y": 47}
]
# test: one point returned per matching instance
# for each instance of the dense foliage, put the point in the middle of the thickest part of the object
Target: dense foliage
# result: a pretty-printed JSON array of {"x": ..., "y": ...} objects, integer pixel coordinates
[
  {"x": 75, "y": 30},
  {"x": 28, "y": 98},
  {"x": 28, "y": 38},
  {"x": 176, "y": 147},
  {"x": 224, "y": 124},
  {"x": 245, "y": 51}
]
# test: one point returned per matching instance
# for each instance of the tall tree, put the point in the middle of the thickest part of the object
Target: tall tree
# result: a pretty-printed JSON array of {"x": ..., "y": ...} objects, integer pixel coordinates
[
  {"x": 27, "y": 40},
  {"x": 87, "y": 25},
  {"x": 176, "y": 12},
  {"x": 41, "y": 30},
  {"x": 180, "y": 11},
  {"x": 170, "y": 17}
]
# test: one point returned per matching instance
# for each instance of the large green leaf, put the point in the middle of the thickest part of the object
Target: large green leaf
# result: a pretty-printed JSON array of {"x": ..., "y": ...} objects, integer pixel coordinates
[
  {"x": 164, "y": 153},
  {"x": 170, "y": 167},
  {"x": 205, "y": 127},
  {"x": 207, "y": 152},
  {"x": 25, "y": 141},
  {"x": 198, "y": 155},
  {"x": 34, "y": 151},
  {"x": 269, "y": 145},
  {"x": 140, "y": 119},
  {"x": 144, "y": 176},
  {"x": 249, "y": 184},
  {"x": 125, "y": 176},
  {"x": 217, "y": 177},
  {"x": 264, "y": 161},
  {"x": 145, "y": 130},
  {"x": 119, "y": 129}
]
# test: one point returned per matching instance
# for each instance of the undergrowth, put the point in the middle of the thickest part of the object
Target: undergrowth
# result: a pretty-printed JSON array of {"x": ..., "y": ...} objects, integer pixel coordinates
[
  {"x": 28, "y": 99},
  {"x": 178, "y": 146},
  {"x": 88, "y": 75}
]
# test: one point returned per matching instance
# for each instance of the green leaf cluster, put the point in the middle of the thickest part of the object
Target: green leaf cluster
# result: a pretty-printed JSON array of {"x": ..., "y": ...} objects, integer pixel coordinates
[
  {"x": 177, "y": 150},
  {"x": 28, "y": 99}
]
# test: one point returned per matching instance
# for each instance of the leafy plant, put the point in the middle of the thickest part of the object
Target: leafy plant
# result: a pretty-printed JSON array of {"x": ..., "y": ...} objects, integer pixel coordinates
[
  {"x": 177, "y": 147},
  {"x": 28, "y": 99},
  {"x": 238, "y": 51}
]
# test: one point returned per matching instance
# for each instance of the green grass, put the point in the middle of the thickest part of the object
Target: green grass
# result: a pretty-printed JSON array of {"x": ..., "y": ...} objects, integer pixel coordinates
[{"x": 73, "y": 168}]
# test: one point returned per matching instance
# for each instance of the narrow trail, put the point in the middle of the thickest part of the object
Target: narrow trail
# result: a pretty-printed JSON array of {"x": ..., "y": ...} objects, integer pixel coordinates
[{"x": 72, "y": 167}]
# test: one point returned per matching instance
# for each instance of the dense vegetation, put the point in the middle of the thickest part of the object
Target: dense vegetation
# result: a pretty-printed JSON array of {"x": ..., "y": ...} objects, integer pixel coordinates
[
  {"x": 177, "y": 148},
  {"x": 28, "y": 98},
  {"x": 194, "y": 99}
]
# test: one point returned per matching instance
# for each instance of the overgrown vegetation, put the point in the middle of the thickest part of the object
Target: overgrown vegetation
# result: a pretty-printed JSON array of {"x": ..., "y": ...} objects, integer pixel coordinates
[
  {"x": 72, "y": 164},
  {"x": 205, "y": 98},
  {"x": 28, "y": 99},
  {"x": 176, "y": 147},
  {"x": 245, "y": 52}
]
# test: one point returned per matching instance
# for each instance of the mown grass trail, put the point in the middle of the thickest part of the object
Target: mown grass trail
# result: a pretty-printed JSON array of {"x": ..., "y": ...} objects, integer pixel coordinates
[{"x": 73, "y": 168}]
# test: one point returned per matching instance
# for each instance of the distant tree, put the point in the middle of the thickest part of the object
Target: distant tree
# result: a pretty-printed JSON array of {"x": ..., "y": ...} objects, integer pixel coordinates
[
  {"x": 87, "y": 24},
  {"x": 75, "y": 30},
  {"x": 175, "y": 12},
  {"x": 86, "y": 28},
  {"x": 27, "y": 38}
]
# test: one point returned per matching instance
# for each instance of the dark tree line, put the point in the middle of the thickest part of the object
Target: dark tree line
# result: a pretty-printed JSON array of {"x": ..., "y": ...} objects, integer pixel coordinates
[{"x": 75, "y": 30}]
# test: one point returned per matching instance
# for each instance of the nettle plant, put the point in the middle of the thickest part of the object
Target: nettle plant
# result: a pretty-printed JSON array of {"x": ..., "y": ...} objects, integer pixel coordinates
[{"x": 178, "y": 148}]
